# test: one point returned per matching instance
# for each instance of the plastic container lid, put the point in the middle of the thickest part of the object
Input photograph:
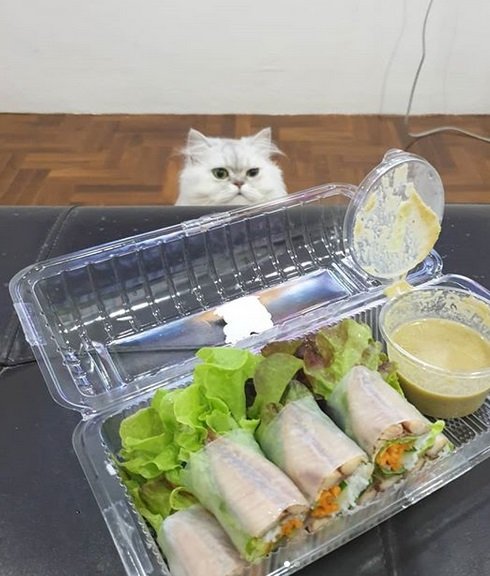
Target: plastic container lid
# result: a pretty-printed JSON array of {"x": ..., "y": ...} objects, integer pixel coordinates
[
  {"x": 112, "y": 322},
  {"x": 393, "y": 221}
]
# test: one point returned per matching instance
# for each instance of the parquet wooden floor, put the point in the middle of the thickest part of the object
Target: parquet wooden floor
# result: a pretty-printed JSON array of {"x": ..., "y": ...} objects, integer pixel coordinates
[{"x": 133, "y": 160}]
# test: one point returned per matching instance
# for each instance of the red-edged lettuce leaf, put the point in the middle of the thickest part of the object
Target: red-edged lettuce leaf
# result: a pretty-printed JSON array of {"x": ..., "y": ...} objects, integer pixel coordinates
[{"x": 330, "y": 353}]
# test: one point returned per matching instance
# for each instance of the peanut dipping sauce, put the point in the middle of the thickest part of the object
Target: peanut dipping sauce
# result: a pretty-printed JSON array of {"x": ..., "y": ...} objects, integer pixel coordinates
[
  {"x": 444, "y": 344},
  {"x": 451, "y": 347}
]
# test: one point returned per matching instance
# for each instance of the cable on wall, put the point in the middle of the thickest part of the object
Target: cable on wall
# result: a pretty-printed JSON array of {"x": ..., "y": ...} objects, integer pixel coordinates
[{"x": 440, "y": 129}]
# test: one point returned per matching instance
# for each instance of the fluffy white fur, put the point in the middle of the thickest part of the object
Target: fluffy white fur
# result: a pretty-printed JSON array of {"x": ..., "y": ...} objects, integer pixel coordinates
[{"x": 250, "y": 174}]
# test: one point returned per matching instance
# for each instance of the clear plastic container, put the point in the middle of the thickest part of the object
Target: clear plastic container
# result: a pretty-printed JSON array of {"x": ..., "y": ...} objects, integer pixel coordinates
[{"x": 110, "y": 325}]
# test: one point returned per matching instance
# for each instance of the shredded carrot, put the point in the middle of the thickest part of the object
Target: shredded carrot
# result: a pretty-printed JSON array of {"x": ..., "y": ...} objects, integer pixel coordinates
[
  {"x": 392, "y": 456},
  {"x": 327, "y": 503},
  {"x": 291, "y": 526}
]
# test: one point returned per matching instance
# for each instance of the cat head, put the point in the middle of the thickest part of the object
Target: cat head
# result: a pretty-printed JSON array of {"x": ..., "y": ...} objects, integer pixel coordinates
[{"x": 230, "y": 171}]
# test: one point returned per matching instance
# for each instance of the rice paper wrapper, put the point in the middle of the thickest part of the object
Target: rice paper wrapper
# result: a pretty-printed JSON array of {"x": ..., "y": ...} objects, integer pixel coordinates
[
  {"x": 372, "y": 412},
  {"x": 247, "y": 493},
  {"x": 194, "y": 544},
  {"x": 307, "y": 445}
]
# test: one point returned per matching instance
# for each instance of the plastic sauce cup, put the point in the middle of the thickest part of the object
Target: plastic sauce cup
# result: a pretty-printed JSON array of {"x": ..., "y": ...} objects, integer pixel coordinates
[{"x": 432, "y": 388}]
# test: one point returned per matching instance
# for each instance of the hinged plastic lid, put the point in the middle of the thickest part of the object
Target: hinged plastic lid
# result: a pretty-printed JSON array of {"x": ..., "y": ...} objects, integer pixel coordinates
[
  {"x": 113, "y": 322},
  {"x": 393, "y": 221}
]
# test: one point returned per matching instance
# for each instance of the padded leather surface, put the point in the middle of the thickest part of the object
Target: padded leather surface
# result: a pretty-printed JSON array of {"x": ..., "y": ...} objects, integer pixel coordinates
[
  {"x": 26, "y": 236},
  {"x": 49, "y": 520}
]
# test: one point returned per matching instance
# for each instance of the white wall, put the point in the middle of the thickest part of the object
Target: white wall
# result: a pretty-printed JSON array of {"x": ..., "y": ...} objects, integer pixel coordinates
[{"x": 255, "y": 56}]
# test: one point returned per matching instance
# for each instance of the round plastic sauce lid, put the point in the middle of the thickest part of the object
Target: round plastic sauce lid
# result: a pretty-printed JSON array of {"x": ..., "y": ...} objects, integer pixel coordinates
[{"x": 393, "y": 221}]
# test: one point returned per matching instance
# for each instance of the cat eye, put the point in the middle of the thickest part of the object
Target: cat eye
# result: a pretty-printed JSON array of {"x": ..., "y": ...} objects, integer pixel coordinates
[
  {"x": 220, "y": 173},
  {"x": 252, "y": 172}
]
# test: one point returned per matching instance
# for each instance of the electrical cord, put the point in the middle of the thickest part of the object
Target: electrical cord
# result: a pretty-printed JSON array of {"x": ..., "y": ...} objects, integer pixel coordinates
[{"x": 440, "y": 129}]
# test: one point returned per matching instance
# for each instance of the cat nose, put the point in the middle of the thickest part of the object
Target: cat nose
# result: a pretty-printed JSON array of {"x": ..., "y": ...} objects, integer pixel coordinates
[{"x": 238, "y": 183}]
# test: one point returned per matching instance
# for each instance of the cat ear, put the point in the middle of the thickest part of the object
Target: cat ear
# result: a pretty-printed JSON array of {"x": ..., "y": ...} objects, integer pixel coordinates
[
  {"x": 196, "y": 139},
  {"x": 196, "y": 144},
  {"x": 263, "y": 141},
  {"x": 263, "y": 138}
]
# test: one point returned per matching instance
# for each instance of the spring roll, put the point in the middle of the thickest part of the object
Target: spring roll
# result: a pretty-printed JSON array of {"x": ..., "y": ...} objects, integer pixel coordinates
[
  {"x": 194, "y": 544},
  {"x": 329, "y": 468},
  {"x": 391, "y": 430},
  {"x": 254, "y": 501},
  {"x": 326, "y": 465},
  {"x": 192, "y": 541}
]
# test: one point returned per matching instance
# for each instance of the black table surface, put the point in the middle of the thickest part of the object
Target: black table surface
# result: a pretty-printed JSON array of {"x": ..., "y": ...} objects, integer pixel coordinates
[{"x": 49, "y": 521}]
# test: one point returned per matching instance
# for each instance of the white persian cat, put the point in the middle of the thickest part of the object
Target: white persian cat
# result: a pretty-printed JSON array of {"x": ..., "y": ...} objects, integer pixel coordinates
[{"x": 228, "y": 171}]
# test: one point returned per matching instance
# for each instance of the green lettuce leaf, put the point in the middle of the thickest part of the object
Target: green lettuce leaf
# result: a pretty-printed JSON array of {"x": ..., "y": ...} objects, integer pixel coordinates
[
  {"x": 221, "y": 422},
  {"x": 157, "y": 499},
  {"x": 389, "y": 373},
  {"x": 153, "y": 518},
  {"x": 271, "y": 379},
  {"x": 155, "y": 494},
  {"x": 223, "y": 374},
  {"x": 436, "y": 428},
  {"x": 142, "y": 431},
  {"x": 158, "y": 441},
  {"x": 151, "y": 466},
  {"x": 147, "y": 447},
  {"x": 162, "y": 437},
  {"x": 296, "y": 391}
]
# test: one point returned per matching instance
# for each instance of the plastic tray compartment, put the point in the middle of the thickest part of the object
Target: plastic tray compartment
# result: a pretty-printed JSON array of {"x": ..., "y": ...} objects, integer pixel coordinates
[
  {"x": 97, "y": 442},
  {"x": 111, "y": 324}
]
